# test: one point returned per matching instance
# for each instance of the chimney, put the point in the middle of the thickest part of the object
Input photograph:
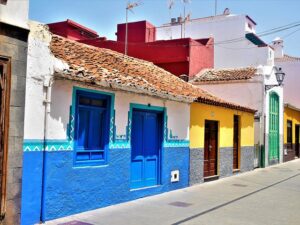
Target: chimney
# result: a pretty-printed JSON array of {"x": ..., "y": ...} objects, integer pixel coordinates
[
  {"x": 173, "y": 20},
  {"x": 179, "y": 19},
  {"x": 277, "y": 44}
]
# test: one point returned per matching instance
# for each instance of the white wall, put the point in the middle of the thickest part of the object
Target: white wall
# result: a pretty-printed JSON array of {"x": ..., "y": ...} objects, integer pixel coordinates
[
  {"x": 243, "y": 93},
  {"x": 61, "y": 100},
  {"x": 15, "y": 12},
  {"x": 238, "y": 53},
  {"x": 291, "y": 86},
  {"x": 40, "y": 63}
]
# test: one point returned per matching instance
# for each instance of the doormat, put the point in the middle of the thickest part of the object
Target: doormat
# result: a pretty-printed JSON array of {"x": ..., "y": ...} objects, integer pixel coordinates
[
  {"x": 180, "y": 204},
  {"x": 75, "y": 222}
]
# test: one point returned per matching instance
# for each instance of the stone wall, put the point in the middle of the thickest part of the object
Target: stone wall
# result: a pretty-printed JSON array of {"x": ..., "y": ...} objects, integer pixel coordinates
[
  {"x": 13, "y": 44},
  {"x": 226, "y": 162},
  {"x": 196, "y": 166},
  {"x": 247, "y": 158}
]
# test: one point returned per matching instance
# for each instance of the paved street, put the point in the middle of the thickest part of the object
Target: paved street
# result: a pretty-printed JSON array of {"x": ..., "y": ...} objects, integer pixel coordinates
[{"x": 264, "y": 196}]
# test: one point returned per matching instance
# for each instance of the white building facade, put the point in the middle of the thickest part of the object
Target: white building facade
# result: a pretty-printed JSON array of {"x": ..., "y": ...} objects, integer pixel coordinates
[
  {"x": 236, "y": 45},
  {"x": 13, "y": 56},
  {"x": 59, "y": 178},
  {"x": 291, "y": 67}
]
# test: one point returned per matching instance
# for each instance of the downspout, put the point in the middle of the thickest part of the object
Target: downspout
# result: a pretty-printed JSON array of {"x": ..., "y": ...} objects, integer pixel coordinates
[
  {"x": 47, "y": 86},
  {"x": 262, "y": 123},
  {"x": 263, "y": 148}
]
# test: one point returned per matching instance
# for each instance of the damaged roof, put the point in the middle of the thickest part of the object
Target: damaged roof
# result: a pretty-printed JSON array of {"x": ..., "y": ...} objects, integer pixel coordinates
[
  {"x": 214, "y": 75},
  {"x": 107, "y": 68}
]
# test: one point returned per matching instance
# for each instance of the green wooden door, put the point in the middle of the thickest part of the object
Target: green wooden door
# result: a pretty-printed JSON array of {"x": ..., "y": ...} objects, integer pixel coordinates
[{"x": 274, "y": 127}]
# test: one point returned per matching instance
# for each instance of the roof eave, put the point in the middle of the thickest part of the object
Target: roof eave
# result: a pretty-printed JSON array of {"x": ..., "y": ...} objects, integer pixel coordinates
[{"x": 115, "y": 86}]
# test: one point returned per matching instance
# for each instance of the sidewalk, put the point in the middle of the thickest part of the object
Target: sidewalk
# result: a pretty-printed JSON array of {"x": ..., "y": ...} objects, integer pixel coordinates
[{"x": 263, "y": 196}]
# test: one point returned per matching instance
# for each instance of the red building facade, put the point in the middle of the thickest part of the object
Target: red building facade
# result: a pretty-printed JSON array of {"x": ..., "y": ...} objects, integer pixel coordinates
[{"x": 184, "y": 56}]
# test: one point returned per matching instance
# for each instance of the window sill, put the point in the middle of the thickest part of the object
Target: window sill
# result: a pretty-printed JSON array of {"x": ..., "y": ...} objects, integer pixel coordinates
[
  {"x": 90, "y": 164},
  {"x": 236, "y": 170}
]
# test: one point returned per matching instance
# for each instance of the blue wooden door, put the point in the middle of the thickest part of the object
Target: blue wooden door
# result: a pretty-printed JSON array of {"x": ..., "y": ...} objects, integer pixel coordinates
[{"x": 145, "y": 144}]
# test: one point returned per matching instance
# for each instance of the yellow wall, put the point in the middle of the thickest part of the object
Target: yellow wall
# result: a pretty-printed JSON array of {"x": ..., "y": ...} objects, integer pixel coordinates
[
  {"x": 201, "y": 112},
  {"x": 294, "y": 116}
]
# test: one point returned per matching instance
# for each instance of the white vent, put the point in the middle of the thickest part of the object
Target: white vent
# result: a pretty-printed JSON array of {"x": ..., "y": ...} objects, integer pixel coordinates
[{"x": 174, "y": 176}]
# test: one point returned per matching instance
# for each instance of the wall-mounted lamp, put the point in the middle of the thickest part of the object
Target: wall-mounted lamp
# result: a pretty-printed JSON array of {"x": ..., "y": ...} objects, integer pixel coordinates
[{"x": 279, "y": 77}]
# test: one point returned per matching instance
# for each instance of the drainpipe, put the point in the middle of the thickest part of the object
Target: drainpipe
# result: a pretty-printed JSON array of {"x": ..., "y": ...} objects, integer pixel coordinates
[
  {"x": 47, "y": 86},
  {"x": 262, "y": 123},
  {"x": 263, "y": 150}
]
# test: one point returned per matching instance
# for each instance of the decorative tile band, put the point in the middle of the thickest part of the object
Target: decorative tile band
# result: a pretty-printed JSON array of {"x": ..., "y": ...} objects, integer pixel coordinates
[
  {"x": 65, "y": 145},
  {"x": 50, "y": 145},
  {"x": 176, "y": 143}
]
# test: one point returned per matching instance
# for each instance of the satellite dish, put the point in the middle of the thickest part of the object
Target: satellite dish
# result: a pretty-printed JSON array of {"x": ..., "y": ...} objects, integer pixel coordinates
[{"x": 226, "y": 11}]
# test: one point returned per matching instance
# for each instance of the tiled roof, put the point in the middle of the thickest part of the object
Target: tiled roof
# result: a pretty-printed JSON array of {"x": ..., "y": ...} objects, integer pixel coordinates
[
  {"x": 287, "y": 58},
  {"x": 211, "y": 75},
  {"x": 106, "y": 68}
]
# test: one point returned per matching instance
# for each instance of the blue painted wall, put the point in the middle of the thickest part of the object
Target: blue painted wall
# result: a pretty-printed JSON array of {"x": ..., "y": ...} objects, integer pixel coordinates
[
  {"x": 70, "y": 189},
  {"x": 31, "y": 187}
]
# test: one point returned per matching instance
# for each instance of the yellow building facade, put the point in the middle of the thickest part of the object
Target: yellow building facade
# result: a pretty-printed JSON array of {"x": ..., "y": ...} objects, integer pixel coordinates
[
  {"x": 221, "y": 142},
  {"x": 291, "y": 132}
]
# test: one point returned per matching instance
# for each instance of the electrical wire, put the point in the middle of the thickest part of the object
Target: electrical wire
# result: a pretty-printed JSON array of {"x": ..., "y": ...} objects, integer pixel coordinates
[{"x": 230, "y": 41}]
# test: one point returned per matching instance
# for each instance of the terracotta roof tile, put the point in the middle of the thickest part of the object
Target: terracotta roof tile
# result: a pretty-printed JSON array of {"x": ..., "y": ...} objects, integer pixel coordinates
[
  {"x": 106, "y": 68},
  {"x": 288, "y": 58},
  {"x": 208, "y": 75}
]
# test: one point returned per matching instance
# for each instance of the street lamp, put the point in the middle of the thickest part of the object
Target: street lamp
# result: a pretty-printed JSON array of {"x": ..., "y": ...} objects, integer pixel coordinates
[{"x": 279, "y": 77}]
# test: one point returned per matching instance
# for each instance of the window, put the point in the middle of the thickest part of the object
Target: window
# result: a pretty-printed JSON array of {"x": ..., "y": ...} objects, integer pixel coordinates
[
  {"x": 91, "y": 127},
  {"x": 249, "y": 26},
  {"x": 289, "y": 133}
]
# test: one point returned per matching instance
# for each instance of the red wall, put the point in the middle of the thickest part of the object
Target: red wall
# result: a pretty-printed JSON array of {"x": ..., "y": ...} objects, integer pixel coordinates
[
  {"x": 59, "y": 28},
  {"x": 141, "y": 31},
  {"x": 72, "y": 30},
  {"x": 201, "y": 55},
  {"x": 179, "y": 56}
]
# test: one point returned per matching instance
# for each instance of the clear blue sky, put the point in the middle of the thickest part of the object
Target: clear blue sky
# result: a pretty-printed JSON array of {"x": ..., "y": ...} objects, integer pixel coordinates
[{"x": 104, "y": 15}]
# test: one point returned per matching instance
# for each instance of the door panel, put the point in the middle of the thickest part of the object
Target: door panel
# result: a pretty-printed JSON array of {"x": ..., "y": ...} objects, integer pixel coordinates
[
  {"x": 236, "y": 142},
  {"x": 210, "y": 148},
  {"x": 297, "y": 140},
  {"x": 274, "y": 127},
  {"x": 145, "y": 144}
]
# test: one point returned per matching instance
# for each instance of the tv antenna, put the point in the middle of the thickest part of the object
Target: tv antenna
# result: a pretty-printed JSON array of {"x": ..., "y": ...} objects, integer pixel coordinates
[
  {"x": 216, "y": 7},
  {"x": 171, "y": 4},
  {"x": 185, "y": 17},
  {"x": 129, "y": 7}
]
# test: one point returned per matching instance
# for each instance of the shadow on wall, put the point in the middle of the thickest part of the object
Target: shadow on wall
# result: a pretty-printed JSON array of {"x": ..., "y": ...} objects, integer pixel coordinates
[{"x": 61, "y": 100}]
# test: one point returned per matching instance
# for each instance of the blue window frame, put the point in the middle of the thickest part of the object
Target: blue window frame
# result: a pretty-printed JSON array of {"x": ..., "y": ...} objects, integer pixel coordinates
[{"x": 92, "y": 115}]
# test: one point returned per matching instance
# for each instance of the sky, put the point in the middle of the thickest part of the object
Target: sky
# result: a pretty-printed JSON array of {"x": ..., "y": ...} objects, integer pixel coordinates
[{"x": 104, "y": 15}]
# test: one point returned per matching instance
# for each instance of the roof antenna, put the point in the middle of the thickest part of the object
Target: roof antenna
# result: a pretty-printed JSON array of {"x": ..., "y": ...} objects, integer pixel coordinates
[
  {"x": 216, "y": 7},
  {"x": 171, "y": 3},
  {"x": 129, "y": 7},
  {"x": 185, "y": 17}
]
